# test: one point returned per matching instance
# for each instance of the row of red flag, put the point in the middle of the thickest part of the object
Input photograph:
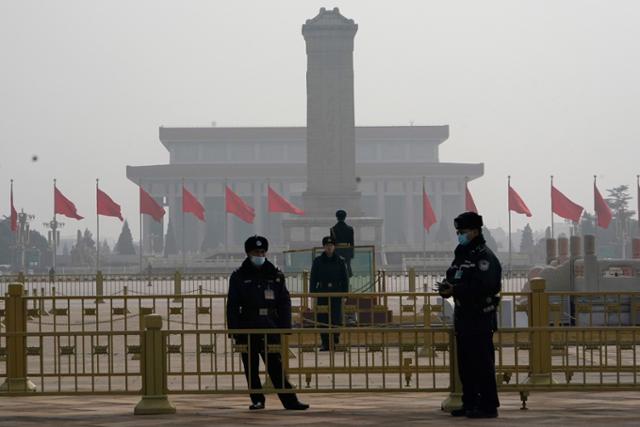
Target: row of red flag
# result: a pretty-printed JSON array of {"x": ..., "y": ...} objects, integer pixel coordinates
[
  {"x": 561, "y": 205},
  {"x": 105, "y": 206}
]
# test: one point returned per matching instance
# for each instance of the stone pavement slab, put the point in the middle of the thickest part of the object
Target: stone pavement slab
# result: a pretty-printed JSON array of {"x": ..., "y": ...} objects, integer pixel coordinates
[{"x": 388, "y": 409}]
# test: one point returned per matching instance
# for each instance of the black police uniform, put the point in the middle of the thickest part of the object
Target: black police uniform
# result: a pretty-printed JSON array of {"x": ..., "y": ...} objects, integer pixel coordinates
[
  {"x": 342, "y": 233},
  {"x": 476, "y": 275},
  {"x": 258, "y": 299},
  {"x": 329, "y": 274}
]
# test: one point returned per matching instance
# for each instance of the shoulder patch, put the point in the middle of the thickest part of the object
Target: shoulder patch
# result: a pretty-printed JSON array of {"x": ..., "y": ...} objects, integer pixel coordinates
[{"x": 483, "y": 265}]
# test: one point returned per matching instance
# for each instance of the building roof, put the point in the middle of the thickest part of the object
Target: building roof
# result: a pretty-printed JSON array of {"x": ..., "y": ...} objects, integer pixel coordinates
[
  {"x": 299, "y": 170},
  {"x": 173, "y": 135}
]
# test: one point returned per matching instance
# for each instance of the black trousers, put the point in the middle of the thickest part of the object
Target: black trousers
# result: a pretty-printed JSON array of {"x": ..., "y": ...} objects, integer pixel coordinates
[
  {"x": 273, "y": 362},
  {"x": 328, "y": 320},
  {"x": 476, "y": 366}
]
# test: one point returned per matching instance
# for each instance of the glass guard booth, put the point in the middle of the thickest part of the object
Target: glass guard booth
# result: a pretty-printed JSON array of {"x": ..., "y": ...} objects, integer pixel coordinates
[{"x": 362, "y": 266}]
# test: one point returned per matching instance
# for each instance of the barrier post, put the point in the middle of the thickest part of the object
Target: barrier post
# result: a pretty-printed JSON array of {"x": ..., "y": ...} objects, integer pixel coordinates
[
  {"x": 16, "y": 324},
  {"x": 153, "y": 366}
]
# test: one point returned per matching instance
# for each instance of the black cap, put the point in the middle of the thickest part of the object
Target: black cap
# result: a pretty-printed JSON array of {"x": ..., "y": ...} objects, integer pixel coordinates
[
  {"x": 328, "y": 240},
  {"x": 468, "y": 221},
  {"x": 341, "y": 215},
  {"x": 256, "y": 242}
]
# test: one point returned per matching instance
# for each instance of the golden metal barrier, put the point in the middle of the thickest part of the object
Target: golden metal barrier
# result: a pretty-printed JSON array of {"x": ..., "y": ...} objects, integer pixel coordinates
[{"x": 82, "y": 347}]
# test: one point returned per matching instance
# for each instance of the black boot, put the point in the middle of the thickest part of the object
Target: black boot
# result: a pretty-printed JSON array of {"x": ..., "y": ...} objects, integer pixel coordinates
[
  {"x": 296, "y": 405},
  {"x": 256, "y": 406}
]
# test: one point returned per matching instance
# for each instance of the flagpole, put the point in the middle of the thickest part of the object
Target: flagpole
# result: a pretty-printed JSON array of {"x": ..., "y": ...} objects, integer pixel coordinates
[
  {"x": 97, "y": 230},
  {"x": 184, "y": 231},
  {"x": 551, "y": 189},
  {"x": 595, "y": 211},
  {"x": 424, "y": 231},
  {"x": 268, "y": 218},
  {"x": 226, "y": 228},
  {"x": 54, "y": 230},
  {"x": 140, "y": 223},
  {"x": 510, "y": 249},
  {"x": 638, "y": 201}
]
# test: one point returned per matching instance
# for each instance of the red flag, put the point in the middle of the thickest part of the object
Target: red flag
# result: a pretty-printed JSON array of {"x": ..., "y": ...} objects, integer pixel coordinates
[
  {"x": 278, "y": 204},
  {"x": 191, "y": 205},
  {"x": 469, "y": 204},
  {"x": 150, "y": 207},
  {"x": 428, "y": 215},
  {"x": 64, "y": 206},
  {"x": 602, "y": 209},
  {"x": 106, "y": 206},
  {"x": 235, "y": 205},
  {"x": 516, "y": 203},
  {"x": 14, "y": 213},
  {"x": 563, "y": 207}
]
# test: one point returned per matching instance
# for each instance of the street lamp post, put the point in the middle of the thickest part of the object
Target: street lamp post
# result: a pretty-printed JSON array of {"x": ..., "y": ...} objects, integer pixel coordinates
[{"x": 54, "y": 237}]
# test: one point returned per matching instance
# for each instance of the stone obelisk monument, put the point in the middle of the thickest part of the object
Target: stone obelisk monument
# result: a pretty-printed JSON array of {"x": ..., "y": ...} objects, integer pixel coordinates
[{"x": 331, "y": 150}]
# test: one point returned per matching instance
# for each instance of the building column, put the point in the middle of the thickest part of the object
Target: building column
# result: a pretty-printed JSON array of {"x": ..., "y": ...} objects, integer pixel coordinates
[
  {"x": 201, "y": 226},
  {"x": 381, "y": 210},
  {"x": 174, "y": 212},
  {"x": 410, "y": 214},
  {"x": 259, "y": 225}
]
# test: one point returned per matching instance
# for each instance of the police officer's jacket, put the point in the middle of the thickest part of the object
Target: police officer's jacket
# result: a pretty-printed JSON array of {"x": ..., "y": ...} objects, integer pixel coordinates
[
  {"x": 329, "y": 274},
  {"x": 476, "y": 277},
  {"x": 343, "y": 235},
  {"x": 258, "y": 298}
]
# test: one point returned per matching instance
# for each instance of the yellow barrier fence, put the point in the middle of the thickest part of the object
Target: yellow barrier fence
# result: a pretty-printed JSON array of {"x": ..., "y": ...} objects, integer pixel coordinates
[{"x": 155, "y": 346}]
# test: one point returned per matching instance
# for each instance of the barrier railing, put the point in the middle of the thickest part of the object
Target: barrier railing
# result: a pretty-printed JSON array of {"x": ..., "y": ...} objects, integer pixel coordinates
[
  {"x": 126, "y": 349},
  {"x": 100, "y": 284}
]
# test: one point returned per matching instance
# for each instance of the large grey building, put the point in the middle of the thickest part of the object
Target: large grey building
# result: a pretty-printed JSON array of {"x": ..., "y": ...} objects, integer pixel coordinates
[{"x": 392, "y": 162}]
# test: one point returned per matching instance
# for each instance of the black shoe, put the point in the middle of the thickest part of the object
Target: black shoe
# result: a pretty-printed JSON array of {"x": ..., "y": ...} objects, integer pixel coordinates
[
  {"x": 296, "y": 406},
  {"x": 256, "y": 406},
  {"x": 483, "y": 413},
  {"x": 324, "y": 348},
  {"x": 459, "y": 412}
]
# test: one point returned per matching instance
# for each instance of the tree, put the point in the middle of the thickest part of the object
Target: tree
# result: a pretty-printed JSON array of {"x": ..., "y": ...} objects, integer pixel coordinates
[
  {"x": 170, "y": 246},
  {"x": 618, "y": 200},
  {"x": 124, "y": 246},
  {"x": 84, "y": 251},
  {"x": 526, "y": 242},
  {"x": 491, "y": 242},
  {"x": 7, "y": 242},
  {"x": 588, "y": 224},
  {"x": 104, "y": 248}
]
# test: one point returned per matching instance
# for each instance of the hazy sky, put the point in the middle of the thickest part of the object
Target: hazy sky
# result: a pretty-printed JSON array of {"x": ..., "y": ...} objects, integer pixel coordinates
[{"x": 529, "y": 88}]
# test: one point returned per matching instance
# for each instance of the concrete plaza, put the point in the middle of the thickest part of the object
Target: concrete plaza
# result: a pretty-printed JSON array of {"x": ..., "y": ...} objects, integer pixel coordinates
[{"x": 383, "y": 409}]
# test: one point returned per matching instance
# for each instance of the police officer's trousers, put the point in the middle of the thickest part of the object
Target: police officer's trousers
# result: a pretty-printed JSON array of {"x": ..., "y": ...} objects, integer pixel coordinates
[
  {"x": 273, "y": 362},
  {"x": 329, "y": 320},
  {"x": 476, "y": 366}
]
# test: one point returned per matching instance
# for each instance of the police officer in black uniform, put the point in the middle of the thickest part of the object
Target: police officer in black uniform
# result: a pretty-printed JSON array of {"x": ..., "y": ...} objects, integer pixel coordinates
[
  {"x": 329, "y": 274},
  {"x": 474, "y": 280},
  {"x": 342, "y": 234},
  {"x": 258, "y": 299}
]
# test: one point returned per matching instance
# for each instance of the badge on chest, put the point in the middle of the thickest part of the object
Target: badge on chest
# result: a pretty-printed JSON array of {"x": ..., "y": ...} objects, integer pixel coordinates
[{"x": 269, "y": 295}]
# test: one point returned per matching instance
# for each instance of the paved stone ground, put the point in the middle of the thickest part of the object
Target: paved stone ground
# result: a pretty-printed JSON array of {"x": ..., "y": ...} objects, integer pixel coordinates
[{"x": 395, "y": 409}]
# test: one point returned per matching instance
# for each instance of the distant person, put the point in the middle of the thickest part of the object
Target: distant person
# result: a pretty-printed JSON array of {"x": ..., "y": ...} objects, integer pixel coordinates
[
  {"x": 474, "y": 281},
  {"x": 329, "y": 274},
  {"x": 258, "y": 299},
  {"x": 342, "y": 234}
]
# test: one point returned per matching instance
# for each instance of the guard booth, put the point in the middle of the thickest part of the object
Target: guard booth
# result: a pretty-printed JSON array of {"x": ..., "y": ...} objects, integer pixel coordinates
[
  {"x": 362, "y": 265},
  {"x": 363, "y": 309}
]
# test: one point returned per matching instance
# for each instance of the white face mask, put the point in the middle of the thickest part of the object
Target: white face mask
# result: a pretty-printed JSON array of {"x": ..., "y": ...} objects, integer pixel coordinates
[{"x": 258, "y": 260}]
